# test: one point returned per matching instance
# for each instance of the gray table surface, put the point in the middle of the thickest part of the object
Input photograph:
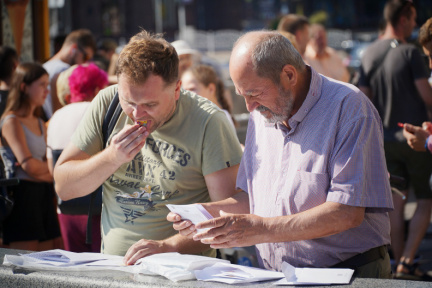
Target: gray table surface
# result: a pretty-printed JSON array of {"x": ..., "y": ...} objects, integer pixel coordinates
[{"x": 17, "y": 277}]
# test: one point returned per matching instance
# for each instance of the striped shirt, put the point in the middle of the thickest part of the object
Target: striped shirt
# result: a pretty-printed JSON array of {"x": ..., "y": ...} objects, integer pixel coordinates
[{"x": 333, "y": 152}]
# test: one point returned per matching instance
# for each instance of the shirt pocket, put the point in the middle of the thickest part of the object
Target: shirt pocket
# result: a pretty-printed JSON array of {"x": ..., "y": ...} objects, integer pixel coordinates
[{"x": 308, "y": 190}]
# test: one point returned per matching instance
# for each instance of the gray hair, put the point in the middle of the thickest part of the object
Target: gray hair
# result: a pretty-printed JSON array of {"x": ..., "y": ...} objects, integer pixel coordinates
[{"x": 272, "y": 52}]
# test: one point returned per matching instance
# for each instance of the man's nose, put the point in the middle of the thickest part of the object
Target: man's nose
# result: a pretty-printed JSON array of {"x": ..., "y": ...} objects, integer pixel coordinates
[
  {"x": 139, "y": 112},
  {"x": 251, "y": 105}
]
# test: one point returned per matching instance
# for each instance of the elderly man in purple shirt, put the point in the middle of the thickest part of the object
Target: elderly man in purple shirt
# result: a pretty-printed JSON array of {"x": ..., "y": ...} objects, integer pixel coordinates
[{"x": 314, "y": 172}]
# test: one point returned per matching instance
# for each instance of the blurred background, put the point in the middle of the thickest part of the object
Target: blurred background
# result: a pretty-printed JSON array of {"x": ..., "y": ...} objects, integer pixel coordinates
[{"x": 37, "y": 28}]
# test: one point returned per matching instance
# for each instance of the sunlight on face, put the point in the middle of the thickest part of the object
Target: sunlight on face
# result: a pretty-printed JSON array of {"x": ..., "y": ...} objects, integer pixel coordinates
[
  {"x": 38, "y": 90},
  {"x": 284, "y": 102},
  {"x": 151, "y": 101}
]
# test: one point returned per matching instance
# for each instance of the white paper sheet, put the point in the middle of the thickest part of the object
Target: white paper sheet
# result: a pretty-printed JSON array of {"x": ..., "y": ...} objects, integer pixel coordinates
[
  {"x": 314, "y": 276},
  {"x": 196, "y": 213},
  {"x": 235, "y": 274},
  {"x": 176, "y": 266},
  {"x": 67, "y": 261}
]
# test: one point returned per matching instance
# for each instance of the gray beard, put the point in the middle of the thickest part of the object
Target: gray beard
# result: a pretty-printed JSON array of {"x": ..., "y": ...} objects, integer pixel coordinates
[{"x": 285, "y": 102}]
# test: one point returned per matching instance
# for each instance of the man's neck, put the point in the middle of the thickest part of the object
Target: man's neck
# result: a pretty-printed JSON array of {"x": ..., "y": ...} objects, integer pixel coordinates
[
  {"x": 63, "y": 56},
  {"x": 393, "y": 33},
  {"x": 300, "y": 91}
]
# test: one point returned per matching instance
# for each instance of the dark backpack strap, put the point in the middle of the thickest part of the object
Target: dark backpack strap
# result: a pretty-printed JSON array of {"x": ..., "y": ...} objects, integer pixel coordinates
[{"x": 111, "y": 117}]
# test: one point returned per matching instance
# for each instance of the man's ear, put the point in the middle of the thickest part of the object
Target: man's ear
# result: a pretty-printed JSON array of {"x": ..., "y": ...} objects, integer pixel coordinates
[
  {"x": 288, "y": 76},
  {"x": 403, "y": 21},
  {"x": 212, "y": 87},
  {"x": 177, "y": 89},
  {"x": 73, "y": 49}
]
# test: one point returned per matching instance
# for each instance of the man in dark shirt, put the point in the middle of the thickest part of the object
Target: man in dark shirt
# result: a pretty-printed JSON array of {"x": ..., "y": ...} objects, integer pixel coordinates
[{"x": 394, "y": 77}]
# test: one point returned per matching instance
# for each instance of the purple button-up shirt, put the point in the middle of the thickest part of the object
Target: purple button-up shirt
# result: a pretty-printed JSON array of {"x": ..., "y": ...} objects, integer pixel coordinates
[{"x": 333, "y": 152}]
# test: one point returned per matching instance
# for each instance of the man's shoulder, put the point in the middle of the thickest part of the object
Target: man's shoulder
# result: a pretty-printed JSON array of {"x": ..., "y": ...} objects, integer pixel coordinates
[
  {"x": 55, "y": 66},
  {"x": 106, "y": 95},
  {"x": 198, "y": 105},
  {"x": 341, "y": 94},
  {"x": 376, "y": 49}
]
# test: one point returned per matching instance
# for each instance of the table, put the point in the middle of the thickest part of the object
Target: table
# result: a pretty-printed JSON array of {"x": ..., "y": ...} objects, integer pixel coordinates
[{"x": 18, "y": 277}]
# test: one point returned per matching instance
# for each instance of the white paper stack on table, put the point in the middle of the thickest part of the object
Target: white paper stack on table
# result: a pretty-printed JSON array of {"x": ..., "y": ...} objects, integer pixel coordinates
[
  {"x": 314, "y": 276},
  {"x": 58, "y": 259},
  {"x": 176, "y": 266},
  {"x": 196, "y": 213},
  {"x": 236, "y": 274}
]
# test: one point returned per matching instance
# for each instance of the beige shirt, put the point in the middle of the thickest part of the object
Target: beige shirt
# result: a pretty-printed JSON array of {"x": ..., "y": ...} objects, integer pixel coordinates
[{"x": 170, "y": 169}]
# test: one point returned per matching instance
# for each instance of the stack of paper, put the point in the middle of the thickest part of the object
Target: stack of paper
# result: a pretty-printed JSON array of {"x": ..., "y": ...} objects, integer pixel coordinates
[
  {"x": 236, "y": 274},
  {"x": 176, "y": 266},
  {"x": 196, "y": 213},
  {"x": 64, "y": 260},
  {"x": 314, "y": 276}
]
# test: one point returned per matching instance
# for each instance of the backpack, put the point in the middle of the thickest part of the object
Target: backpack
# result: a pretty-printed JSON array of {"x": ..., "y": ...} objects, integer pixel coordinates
[{"x": 110, "y": 119}]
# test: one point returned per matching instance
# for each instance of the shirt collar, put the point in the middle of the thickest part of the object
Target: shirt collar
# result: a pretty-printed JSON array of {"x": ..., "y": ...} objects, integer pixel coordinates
[{"x": 311, "y": 98}]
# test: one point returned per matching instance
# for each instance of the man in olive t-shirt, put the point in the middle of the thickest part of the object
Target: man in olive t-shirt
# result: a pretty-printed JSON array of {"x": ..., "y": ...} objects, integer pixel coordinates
[{"x": 185, "y": 153}]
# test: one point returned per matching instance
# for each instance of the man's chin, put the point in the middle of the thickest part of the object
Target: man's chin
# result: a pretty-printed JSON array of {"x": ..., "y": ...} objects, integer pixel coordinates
[{"x": 269, "y": 117}]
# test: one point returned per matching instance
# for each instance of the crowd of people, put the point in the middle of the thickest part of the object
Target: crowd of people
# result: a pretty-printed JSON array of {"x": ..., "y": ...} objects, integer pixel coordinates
[{"x": 310, "y": 185}]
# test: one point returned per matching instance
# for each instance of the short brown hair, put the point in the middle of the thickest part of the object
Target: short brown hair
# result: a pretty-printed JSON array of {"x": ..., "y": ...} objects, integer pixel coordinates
[
  {"x": 148, "y": 54},
  {"x": 394, "y": 9},
  {"x": 292, "y": 22},
  {"x": 82, "y": 37},
  {"x": 425, "y": 34}
]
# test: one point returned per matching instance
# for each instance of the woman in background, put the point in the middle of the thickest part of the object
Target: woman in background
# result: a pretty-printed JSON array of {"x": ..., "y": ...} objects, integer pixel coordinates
[
  {"x": 204, "y": 81},
  {"x": 33, "y": 223}
]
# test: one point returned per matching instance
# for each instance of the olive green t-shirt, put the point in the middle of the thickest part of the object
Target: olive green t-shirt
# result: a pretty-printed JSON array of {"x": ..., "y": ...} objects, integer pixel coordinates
[{"x": 198, "y": 140}]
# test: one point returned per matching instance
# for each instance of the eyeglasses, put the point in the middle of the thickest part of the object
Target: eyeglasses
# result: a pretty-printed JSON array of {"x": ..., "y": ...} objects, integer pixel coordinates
[{"x": 85, "y": 55}]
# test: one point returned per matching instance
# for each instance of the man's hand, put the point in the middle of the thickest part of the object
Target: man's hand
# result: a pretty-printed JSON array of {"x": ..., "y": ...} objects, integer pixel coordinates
[
  {"x": 127, "y": 143},
  {"x": 416, "y": 136},
  {"x": 232, "y": 230},
  {"x": 185, "y": 227},
  {"x": 144, "y": 248}
]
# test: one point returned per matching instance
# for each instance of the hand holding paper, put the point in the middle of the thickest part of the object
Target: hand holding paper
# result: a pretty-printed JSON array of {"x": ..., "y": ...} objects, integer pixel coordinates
[
  {"x": 195, "y": 213},
  {"x": 233, "y": 230}
]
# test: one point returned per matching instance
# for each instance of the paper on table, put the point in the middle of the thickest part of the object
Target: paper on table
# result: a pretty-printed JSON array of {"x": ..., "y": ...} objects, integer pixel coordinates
[
  {"x": 176, "y": 266},
  {"x": 69, "y": 261},
  {"x": 311, "y": 276},
  {"x": 196, "y": 213},
  {"x": 235, "y": 274}
]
